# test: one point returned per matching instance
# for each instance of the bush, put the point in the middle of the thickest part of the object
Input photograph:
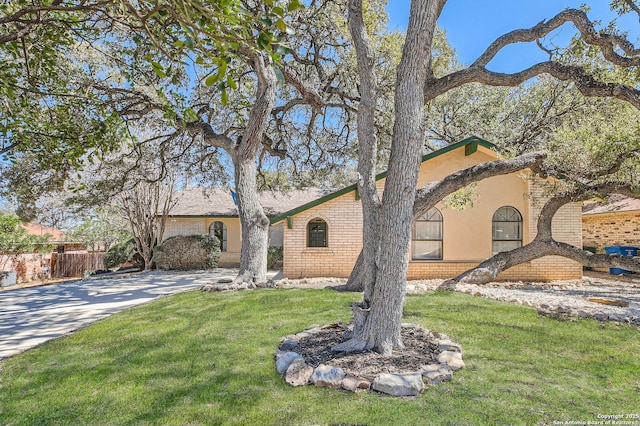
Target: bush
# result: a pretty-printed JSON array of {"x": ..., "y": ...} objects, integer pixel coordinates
[
  {"x": 121, "y": 253},
  {"x": 274, "y": 255},
  {"x": 188, "y": 252}
]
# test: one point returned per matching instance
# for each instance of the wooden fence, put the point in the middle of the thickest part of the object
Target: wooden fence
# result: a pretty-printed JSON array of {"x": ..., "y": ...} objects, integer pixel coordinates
[{"x": 65, "y": 265}]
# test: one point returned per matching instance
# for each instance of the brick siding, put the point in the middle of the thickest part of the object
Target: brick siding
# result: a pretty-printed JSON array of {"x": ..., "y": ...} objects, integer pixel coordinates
[{"x": 611, "y": 229}]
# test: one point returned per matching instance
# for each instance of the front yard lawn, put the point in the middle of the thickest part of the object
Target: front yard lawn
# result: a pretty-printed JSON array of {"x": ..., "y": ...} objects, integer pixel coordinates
[{"x": 207, "y": 358}]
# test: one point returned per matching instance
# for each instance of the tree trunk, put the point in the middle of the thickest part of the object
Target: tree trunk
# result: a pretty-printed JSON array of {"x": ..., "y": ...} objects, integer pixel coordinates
[
  {"x": 383, "y": 313},
  {"x": 254, "y": 224},
  {"x": 363, "y": 275}
]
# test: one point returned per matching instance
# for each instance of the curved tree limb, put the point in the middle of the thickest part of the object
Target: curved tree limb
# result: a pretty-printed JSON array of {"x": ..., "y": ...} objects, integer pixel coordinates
[
  {"x": 544, "y": 244},
  {"x": 433, "y": 192}
]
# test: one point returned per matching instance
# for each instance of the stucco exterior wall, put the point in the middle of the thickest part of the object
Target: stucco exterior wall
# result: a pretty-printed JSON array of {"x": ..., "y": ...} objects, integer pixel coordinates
[
  {"x": 611, "y": 229},
  {"x": 200, "y": 225},
  {"x": 467, "y": 234}
]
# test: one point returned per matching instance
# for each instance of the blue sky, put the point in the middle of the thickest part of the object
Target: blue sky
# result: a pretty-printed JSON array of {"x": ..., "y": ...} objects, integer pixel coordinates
[{"x": 472, "y": 25}]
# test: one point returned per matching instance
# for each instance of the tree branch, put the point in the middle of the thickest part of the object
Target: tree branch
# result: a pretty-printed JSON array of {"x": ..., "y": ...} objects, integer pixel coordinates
[{"x": 430, "y": 194}]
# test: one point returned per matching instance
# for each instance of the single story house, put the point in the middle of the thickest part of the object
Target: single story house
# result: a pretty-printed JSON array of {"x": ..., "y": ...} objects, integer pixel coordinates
[
  {"x": 324, "y": 236},
  {"x": 614, "y": 223},
  {"x": 321, "y": 232},
  {"x": 214, "y": 211}
]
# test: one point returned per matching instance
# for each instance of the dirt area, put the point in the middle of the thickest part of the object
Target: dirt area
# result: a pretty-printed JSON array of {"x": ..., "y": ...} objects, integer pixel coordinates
[{"x": 420, "y": 351}]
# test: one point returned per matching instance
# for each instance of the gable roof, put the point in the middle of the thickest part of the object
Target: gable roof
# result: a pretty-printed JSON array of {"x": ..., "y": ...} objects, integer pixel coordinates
[
  {"x": 617, "y": 203},
  {"x": 470, "y": 145},
  {"x": 218, "y": 202}
]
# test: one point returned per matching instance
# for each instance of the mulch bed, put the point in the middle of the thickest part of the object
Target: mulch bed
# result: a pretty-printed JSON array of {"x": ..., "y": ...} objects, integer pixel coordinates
[{"x": 419, "y": 351}]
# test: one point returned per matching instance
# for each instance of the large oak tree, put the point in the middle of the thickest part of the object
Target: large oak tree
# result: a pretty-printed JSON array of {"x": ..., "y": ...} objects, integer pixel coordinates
[{"x": 387, "y": 220}]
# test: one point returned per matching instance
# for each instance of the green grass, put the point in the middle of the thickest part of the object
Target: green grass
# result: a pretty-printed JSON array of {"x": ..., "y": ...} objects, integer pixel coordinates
[{"x": 207, "y": 358}]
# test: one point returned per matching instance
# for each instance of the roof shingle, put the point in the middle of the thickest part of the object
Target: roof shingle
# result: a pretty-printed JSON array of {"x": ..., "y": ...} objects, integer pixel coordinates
[{"x": 218, "y": 201}]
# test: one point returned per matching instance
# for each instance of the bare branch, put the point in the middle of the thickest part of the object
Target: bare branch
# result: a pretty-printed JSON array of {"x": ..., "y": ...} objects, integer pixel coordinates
[
  {"x": 584, "y": 82},
  {"x": 433, "y": 192}
]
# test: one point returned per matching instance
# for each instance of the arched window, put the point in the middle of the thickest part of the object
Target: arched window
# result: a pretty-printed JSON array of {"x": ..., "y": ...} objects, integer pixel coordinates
[
  {"x": 507, "y": 229},
  {"x": 219, "y": 230},
  {"x": 426, "y": 239},
  {"x": 317, "y": 233}
]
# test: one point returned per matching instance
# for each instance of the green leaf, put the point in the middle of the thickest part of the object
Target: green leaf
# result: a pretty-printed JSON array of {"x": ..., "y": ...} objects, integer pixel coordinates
[
  {"x": 280, "y": 24},
  {"x": 278, "y": 11},
  {"x": 222, "y": 70},
  {"x": 211, "y": 80},
  {"x": 294, "y": 5},
  {"x": 264, "y": 40},
  {"x": 279, "y": 74},
  {"x": 231, "y": 82},
  {"x": 225, "y": 97}
]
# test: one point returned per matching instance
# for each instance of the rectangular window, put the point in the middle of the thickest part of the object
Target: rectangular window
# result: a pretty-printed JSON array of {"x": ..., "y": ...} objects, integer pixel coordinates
[
  {"x": 427, "y": 230},
  {"x": 426, "y": 250},
  {"x": 499, "y": 246},
  {"x": 317, "y": 233}
]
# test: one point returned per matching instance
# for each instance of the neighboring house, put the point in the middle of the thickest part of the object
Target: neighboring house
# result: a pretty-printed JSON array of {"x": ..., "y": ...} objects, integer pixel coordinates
[
  {"x": 324, "y": 236},
  {"x": 213, "y": 211},
  {"x": 614, "y": 223},
  {"x": 57, "y": 237},
  {"x": 38, "y": 265}
]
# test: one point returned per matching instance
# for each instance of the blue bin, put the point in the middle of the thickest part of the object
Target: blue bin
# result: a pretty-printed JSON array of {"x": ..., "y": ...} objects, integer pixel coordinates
[{"x": 623, "y": 250}]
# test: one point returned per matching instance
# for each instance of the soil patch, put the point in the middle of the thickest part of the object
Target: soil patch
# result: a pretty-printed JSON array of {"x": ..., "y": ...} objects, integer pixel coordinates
[{"x": 420, "y": 350}]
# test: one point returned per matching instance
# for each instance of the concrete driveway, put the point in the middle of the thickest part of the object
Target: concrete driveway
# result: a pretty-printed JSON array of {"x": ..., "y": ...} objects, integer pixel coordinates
[{"x": 31, "y": 316}]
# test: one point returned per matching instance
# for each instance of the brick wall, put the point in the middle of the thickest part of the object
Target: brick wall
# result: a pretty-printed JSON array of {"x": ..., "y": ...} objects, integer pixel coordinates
[
  {"x": 611, "y": 229},
  {"x": 29, "y": 267},
  {"x": 184, "y": 226},
  {"x": 344, "y": 240}
]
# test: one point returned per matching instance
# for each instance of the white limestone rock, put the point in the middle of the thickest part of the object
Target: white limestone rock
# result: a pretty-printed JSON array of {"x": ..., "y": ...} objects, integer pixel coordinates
[
  {"x": 437, "y": 373},
  {"x": 452, "y": 359},
  {"x": 328, "y": 376},
  {"x": 398, "y": 384},
  {"x": 298, "y": 373}
]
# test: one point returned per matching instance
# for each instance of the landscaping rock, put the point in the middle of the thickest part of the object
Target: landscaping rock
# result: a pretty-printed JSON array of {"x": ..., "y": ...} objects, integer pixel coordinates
[
  {"x": 288, "y": 344},
  {"x": 327, "y": 376},
  {"x": 284, "y": 360},
  {"x": 452, "y": 359},
  {"x": 352, "y": 383},
  {"x": 437, "y": 373},
  {"x": 448, "y": 345},
  {"x": 397, "y": 384},
  {"x": 298, "y": 373}
]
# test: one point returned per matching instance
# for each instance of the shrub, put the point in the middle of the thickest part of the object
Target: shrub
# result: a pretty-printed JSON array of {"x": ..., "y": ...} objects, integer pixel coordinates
[
  {"x": 274, "y": 255},
  {"x": 121, "y": 253},
  {"x": 188, "y": 252}
]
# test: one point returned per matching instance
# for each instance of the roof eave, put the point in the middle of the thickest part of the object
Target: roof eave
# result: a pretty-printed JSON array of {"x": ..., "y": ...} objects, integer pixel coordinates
[{"x": 465, "y": 142}]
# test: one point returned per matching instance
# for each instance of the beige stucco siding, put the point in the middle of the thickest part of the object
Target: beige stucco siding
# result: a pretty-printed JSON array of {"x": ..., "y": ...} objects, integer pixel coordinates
[{"x": 467, "y": 234}]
